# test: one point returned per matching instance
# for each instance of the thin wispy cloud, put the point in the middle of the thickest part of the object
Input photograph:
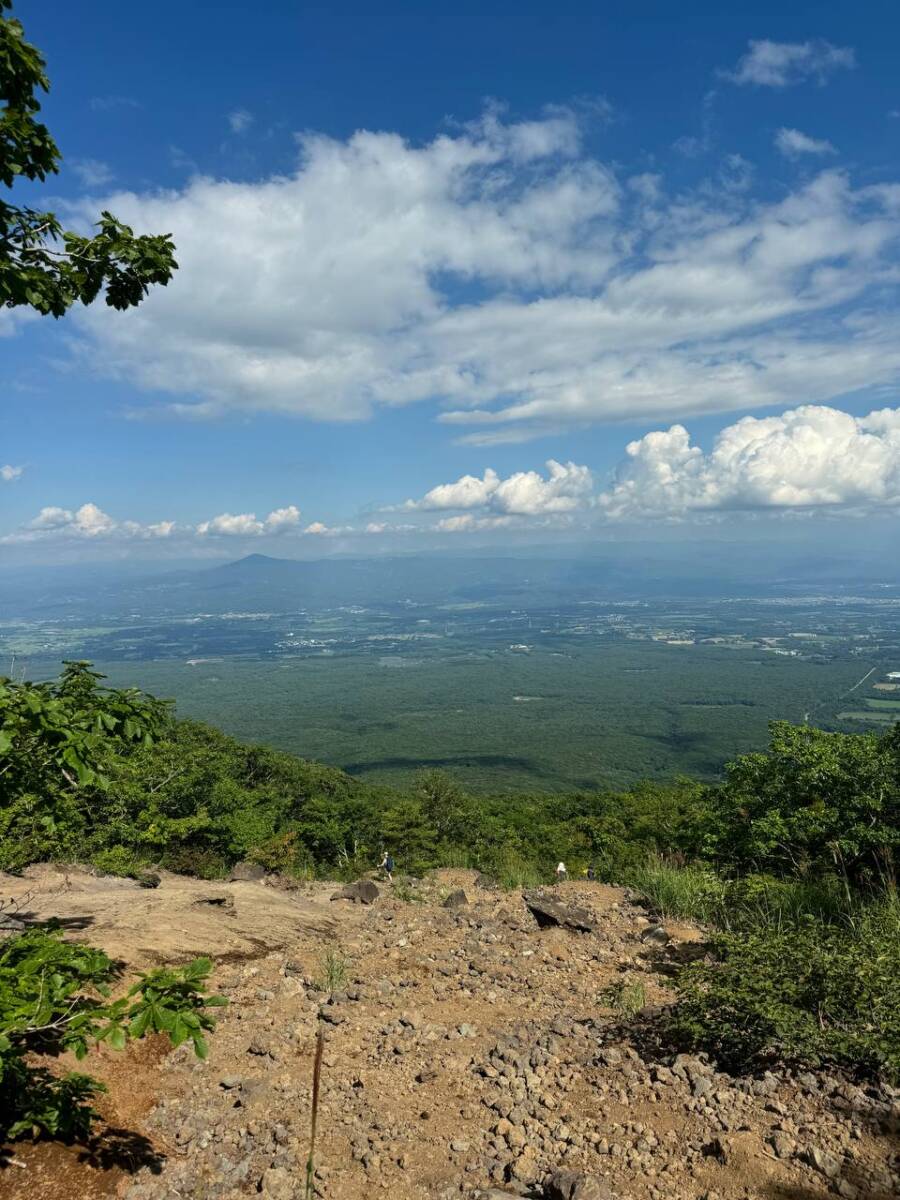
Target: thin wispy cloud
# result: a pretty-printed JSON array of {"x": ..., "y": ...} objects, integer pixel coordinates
[
  {"x": 781, "y": 64},
  {"x": 9, "y": 473},
  {"x": 240, "y": 120},
  {"x": 794, "y": 144},
  {"x": 109, "y": 103},
  {"x": 91, "y": 172}
]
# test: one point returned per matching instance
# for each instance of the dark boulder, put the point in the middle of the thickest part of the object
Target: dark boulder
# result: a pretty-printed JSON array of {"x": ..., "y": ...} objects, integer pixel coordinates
[
  {"x": 456, "y": 899},
  {"x": 363, "y": 891},
  {"x": 548, "y": 912},
  {"x": 571, "y": 1185}
]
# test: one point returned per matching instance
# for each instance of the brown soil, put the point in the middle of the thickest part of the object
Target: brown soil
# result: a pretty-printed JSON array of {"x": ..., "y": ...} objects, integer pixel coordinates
[{"x": 447, "y": 1022}]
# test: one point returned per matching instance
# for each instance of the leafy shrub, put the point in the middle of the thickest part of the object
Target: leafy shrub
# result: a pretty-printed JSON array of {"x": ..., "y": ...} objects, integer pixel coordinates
[
  {"x": 199, "y": 861},
  {"x": 55, "y": 996},
  {"x": 810, "y": 994},
  {"x": 814, "y": 802},
  {"x": 58, "y": 744},
  {"x": 117, "y": 860},
  {"x": 286, "y": 854}
]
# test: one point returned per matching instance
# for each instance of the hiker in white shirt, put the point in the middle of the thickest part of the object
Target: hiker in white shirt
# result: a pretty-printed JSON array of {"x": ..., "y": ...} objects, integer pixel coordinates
[{"x": 561, "y": 873}]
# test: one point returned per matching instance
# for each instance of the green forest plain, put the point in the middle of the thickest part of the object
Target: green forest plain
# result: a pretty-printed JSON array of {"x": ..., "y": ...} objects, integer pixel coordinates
[{"x": 506, "y": 697}]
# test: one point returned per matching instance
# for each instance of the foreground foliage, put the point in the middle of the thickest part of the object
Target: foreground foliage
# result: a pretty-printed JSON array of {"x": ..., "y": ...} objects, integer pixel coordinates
[
  {"x": 54, "y": 997},
  {"x": 43, "y": 266}
]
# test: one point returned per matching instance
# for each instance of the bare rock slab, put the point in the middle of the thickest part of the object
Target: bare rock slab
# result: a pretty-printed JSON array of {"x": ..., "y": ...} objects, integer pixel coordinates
[{"x": 548, "y": 913}]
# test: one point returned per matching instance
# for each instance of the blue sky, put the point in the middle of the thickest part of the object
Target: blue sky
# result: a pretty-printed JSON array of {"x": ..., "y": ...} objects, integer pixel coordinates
[{"x": 566, "y": 230}]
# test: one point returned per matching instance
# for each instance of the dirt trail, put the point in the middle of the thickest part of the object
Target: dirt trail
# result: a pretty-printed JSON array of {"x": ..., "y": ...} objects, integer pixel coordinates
[{"x": 467, "y": 1049}]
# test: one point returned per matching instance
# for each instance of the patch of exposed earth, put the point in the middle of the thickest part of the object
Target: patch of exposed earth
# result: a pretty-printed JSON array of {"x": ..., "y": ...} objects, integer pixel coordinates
[{"x": 467, "y": 1048}]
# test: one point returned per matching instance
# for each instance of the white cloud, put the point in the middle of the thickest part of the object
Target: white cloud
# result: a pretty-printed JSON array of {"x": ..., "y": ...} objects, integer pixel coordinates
[
  {"x": 281, "y": 519},
  {"x": 240, "y": 120},
  {"x": 89, "y": 522},
  {"x": 467, "y": 523},
  {"x": 525, "y": 493},
  {"x": 468, "y": 492},
  {"x": 246, "y": 524},
  {"x": 812, "y": 456},
  {"x": 511, "y": 279},
  {"x": 778, "y": 64},
  {"x": 9, "y": 473},
  {"x": 91, "y": 172},
  {"x": 319, "y": 529},
  {"x": 792, "y": 143}
]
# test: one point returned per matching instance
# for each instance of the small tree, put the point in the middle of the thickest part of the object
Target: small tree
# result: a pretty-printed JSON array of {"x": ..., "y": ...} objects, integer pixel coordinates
[
  {"x": 43, "y": 266},
  {"x": 56, "y": 742},
  {"x": 814, "y": 802}
]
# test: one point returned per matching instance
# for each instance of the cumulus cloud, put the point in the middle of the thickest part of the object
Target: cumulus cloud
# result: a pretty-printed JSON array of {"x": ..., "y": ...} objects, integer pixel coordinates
[
  {"x": 89, "y": 522},
  {"x": 505, "y": 275},
  {"x": 92, "y": 523},
  {"x": 468, "y": 492},
  {"x": 9, "y": 473},
  {"x": 792, "y": 144},
  {"x": 280, "y": 519},
  {"x": 525, "y": 493},
  {"x": 246, "y": 524},
  {"x": 779, "y": 64},
  {"x": 811, "y": 457}
]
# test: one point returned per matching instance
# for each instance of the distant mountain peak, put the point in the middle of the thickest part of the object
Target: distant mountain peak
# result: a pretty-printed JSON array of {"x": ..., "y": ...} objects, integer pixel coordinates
[{"x": 256, "y": 560}]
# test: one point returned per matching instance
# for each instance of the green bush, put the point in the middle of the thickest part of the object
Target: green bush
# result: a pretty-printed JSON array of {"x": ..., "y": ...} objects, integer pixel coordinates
[
  {"x": 55, "y": 996},
  {"x": 814, "y": 802},
  {"x": 286, "y": 854},
  {"x": 810, "y": 994},
  {"x": 117, "y": 860}
]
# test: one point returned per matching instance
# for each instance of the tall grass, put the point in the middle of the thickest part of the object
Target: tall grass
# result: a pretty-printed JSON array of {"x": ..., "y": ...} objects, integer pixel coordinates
[
  {"x": 677, "y": 891},
  {"x": 697, "y": 893},
  {"x": 334, "y": 967},
  {"x": 457, "y": 858},
  {"x": 514, "y": 872}
]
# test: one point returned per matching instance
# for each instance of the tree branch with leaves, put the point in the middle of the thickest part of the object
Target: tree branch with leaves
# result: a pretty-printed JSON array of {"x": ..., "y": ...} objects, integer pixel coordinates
[{"x": 42, "y": 265}]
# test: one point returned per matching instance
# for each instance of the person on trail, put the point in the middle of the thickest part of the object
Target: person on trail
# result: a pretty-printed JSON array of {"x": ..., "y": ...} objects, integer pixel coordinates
[
  {"x": 561, "y": 873},
  {"x": 591, "y": 873},
  {"x": 387, "y": 865}
]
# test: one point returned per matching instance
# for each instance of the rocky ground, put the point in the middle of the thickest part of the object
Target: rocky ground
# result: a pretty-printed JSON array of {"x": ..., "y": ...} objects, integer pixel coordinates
[{"x": 471, "y": 1049}]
